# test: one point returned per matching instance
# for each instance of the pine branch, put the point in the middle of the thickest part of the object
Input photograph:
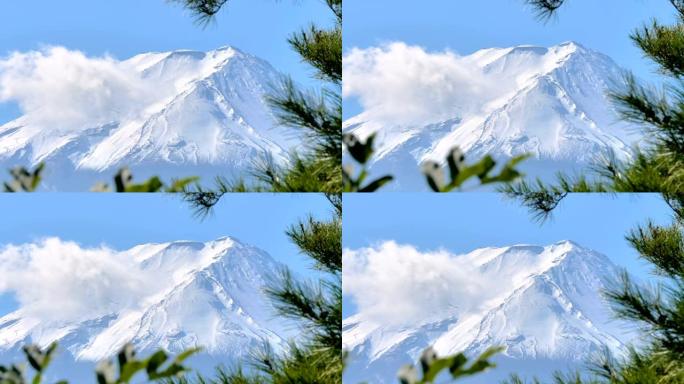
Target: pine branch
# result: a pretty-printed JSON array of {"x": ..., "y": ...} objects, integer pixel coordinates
[
  {"x": 303, "y": 173},
  {"x": 661, "y": 317},
  {"x": 546, "y": 8},
  {"x": 318, "y": 305},
  {"x": 335, "y": 200},
  {"x": 322, "y": 49},
  {"x": 679, "y": 6},
  {"x": 336, "y": 7},
  {"x": 664, "y": 45},
  {"x": 318, "y": 117},
  {"x": 662, "y": 246},
  {"x": 205, "y": 10},
  {"x": 542, "y": 199},
  {"x": 320, "y": 240}
]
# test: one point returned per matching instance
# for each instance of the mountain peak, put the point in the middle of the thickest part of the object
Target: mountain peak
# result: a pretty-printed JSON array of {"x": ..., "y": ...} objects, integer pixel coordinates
[
  {"x": 535, "y": 260},
  {"x": 195, "y": 256},
  {"x": 235, "y": 50},
  {"x": 226, "y": 239},
  {"x": 535, "y": 49},
  {"x": 571, "y": 44},
  {"x": 207, "y": 294},
  {"x": 146, "y": 116},
  {"x": 567, "y": 47},
  {"x": 547, "y": 102},
  {"x": 569, "y": 244},
  {"x": 227, "y": 47},
  {"x": 570, "y": 49},
  {"x": 544, "y": 303}
]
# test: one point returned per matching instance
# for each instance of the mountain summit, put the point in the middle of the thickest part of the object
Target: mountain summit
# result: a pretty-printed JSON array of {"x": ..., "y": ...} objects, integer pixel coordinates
[
  {"x": 546, "y": 306},
  {"x": 202, "y": 294},
  {"x": 551, "y": 102},
  {"x": 176, "y": 114}
]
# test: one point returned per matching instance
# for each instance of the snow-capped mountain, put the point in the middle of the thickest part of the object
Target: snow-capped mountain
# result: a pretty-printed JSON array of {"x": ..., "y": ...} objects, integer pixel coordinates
[
  {"x": 204, "y": 294},
  {"x": 548, "y": 310},
  {"x": 197, "y": 113},
  {"x": 551, "y": 103}
]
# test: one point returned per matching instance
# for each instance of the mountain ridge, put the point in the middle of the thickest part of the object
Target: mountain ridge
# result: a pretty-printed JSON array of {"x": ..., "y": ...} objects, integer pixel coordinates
[
  {"x": 550, "y": 102},
  {"x": 204, "y": 109},
  {"x": 550, "y": 308},
  {"x": 211, "y": 296}
]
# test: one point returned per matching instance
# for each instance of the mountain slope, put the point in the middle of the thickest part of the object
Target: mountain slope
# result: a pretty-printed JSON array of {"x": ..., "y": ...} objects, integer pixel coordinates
[
  {"x": 546, "y": 306},
  {"x": 205, "y": 294},
  {"x": 550, "y": 102},
  {"x": 197, "y": 111}
]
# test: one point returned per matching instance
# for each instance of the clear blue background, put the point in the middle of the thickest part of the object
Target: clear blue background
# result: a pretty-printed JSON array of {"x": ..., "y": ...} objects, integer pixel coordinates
[
  {"x": 124, "y": 28},
  {"x": 466, "y": 26},
  {"x": 122, "y": 221},
  {"x": 464, "y": 222}
]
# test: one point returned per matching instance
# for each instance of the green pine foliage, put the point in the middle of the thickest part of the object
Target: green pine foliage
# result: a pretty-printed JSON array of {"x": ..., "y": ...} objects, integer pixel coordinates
[
  {"x": 316, "y": 305},
  {"x": 558, "y": 378},
  {"x": 546, "y": 8},
  {"x": 204, "y": 8}
]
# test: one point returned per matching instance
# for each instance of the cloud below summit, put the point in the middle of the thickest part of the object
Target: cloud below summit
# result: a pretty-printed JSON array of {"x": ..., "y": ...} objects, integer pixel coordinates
[
  {"x": 62, "y": 89},
  {"x": 55, "y": 280},
  {"x": 399, "y": 284},
  {"x": 397, "y": 83}
]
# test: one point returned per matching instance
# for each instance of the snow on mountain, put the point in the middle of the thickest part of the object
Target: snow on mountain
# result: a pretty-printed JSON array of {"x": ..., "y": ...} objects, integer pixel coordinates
[
  {"x": 193, "y": 111},
  {"x": 205, "y": 294},
  {"x": 547, "y": 307},
  {"x": 548, "y": 102}
]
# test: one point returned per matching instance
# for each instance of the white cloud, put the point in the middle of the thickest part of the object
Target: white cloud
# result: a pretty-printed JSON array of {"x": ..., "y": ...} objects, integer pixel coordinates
[
  {"x": 63, "y": 89},
  {"x": 393, "y": 283},
  {"x": 55, "y": 280},
  {"x": 402, "y": 84}
]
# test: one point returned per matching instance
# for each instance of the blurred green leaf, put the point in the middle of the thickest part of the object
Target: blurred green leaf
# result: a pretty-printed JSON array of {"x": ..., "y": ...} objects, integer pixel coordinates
[
  {"x": 24, "y": 180},
  {"x": 361, "y": 152},
  {"x": 459, "y": 173},
  {"x": 377, "y": 184},
  {"x": 432, "y": 366}
]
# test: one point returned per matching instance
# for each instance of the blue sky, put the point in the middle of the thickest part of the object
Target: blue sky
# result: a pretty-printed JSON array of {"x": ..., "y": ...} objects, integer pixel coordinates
[
  {"x": 463, "y": 222},
  {"x": 467, "y": 26},
  {"x": 124, "y": 28},
  {"x": 123, "y": 221}
]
